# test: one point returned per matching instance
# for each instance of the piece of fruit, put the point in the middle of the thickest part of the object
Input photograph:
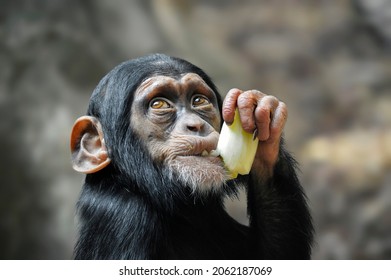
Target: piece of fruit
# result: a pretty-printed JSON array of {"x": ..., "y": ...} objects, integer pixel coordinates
[{"x": 237, "y": 147}]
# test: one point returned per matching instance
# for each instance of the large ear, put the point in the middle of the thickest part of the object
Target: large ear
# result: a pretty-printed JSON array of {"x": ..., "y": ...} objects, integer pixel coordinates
[{"x": 89, "y": 153}]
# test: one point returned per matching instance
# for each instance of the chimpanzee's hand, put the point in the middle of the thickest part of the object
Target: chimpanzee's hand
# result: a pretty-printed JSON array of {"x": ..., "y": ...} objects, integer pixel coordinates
[{"x": 263, "y": 115}]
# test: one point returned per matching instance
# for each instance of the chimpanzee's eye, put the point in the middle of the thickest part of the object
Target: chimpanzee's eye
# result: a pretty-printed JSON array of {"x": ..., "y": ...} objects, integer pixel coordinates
[
  {"x": 199, "y": 101},
  {"x": 158, "y": 103}
]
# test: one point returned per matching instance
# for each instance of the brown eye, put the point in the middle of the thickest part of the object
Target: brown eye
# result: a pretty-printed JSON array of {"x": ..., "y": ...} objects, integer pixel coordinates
[
  {"x": 159, "y": 104},
  {"x": 200, "y": 101}
]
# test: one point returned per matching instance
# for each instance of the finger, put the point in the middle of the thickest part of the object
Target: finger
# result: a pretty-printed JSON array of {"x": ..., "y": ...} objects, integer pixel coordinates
[
  {"x": 229, "y": 105},
  {"x": 264, "y": 114},
  {"x": 247, "y": 103},
  {"x": 278, "y": 121}
]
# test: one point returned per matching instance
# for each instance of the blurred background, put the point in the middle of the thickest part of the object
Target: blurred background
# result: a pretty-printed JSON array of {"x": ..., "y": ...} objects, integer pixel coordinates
[{"x": 328, "y": 60}]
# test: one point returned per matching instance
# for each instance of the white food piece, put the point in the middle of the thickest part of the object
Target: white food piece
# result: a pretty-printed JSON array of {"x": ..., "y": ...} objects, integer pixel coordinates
[{"x": 237, "y": 147}]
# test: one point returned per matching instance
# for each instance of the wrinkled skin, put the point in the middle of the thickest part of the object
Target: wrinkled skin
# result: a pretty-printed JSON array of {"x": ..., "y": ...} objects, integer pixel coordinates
[{"x": 181, "y": 120}]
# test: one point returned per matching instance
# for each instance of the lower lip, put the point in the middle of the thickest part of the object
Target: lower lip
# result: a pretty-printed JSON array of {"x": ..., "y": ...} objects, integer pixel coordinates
[{"x": 217, "y": 158}]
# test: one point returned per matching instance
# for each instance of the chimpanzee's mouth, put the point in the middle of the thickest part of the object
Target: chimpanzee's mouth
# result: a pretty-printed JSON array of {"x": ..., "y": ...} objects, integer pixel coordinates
[{"x": 197, "y": 147}]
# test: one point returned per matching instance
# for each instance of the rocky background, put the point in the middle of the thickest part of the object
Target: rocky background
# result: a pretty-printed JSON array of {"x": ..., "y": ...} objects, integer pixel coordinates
[{"x": 328, "y": 60}]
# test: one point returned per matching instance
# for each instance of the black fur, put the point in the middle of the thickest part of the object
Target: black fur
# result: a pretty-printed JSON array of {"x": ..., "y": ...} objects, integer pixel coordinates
[{"x": 131, "y": 210}]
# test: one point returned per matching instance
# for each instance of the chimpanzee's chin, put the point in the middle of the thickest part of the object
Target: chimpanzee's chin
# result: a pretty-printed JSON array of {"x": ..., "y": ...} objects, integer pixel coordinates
[{"x": 202, "y": 174}]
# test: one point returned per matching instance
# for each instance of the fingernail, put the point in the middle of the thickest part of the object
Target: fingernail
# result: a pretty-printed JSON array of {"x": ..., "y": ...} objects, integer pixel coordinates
[{"x": 255, "y": 134}]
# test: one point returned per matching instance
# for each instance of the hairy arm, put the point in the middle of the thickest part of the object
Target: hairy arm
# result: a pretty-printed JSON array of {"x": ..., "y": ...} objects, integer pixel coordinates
[{"x": 279, "y": 217}]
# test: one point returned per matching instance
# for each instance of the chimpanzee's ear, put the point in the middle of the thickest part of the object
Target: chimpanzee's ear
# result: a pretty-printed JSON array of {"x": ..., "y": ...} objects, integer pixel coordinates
[{"x": 89, "y": 153}]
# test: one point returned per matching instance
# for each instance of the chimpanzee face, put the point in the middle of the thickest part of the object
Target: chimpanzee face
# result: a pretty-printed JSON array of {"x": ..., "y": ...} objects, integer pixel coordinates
[
  {"x": 179, "y": 121},
  {"x": 154, "y": 112}
]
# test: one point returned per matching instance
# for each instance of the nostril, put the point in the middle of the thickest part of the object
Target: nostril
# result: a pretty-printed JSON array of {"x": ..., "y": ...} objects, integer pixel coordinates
[
  {"x": 194, "y": 128},
  {"x": 193, "y": 124}
]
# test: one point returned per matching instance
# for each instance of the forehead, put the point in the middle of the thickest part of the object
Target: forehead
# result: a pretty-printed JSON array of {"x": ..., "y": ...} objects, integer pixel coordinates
[{"x": 183, "y": 83}]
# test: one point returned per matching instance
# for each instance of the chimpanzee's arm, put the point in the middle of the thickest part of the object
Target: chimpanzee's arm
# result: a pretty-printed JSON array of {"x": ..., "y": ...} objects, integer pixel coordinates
[{"x": 279, "y": 218}]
